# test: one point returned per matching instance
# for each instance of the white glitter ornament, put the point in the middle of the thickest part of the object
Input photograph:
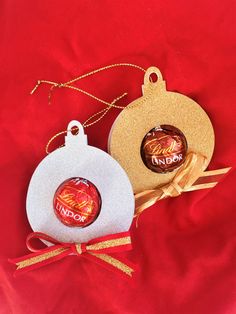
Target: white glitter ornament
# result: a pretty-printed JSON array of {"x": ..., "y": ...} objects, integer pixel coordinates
[{"x": 78, "y": 159}]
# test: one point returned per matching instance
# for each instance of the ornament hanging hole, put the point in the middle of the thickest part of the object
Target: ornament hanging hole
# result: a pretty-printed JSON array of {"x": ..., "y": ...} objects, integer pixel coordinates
[
  {"x": 152, "y": 76},
  {"x": 75, "y": 134},
  {"x": 74, "y": 130}
]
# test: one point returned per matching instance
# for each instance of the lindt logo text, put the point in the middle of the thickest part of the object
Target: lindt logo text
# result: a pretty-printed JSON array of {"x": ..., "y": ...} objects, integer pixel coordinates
[
  {"x": 68, "y": 199},
  {"x": 168, "y": 154},
  {"x": 68, "y": 213},
  {"x": 166, "y": 160},
  {"x": 157, "y": 149}
]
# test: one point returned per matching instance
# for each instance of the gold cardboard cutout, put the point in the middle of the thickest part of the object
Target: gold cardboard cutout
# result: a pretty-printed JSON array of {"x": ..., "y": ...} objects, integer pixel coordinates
[{"x": 156, "y": 107}]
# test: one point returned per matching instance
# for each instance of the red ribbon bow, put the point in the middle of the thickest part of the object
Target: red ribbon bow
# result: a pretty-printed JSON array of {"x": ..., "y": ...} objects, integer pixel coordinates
[{"x": 95, "y": 250}]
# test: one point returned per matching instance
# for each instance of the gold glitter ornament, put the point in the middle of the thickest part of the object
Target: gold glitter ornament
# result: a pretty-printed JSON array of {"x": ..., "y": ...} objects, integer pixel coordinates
[{"x": 155, "y": 108}]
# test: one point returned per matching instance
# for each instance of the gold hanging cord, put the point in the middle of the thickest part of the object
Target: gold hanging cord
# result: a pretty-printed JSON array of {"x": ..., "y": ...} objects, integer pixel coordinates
[{"x": 98, "y": 115}]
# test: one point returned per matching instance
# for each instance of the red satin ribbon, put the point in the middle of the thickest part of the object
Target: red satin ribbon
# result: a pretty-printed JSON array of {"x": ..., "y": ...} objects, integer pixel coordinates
[{"x": 96, "y": 250}]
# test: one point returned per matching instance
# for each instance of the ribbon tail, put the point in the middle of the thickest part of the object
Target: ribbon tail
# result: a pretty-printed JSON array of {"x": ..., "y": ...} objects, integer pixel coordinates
[
  {"x": 123, "y": 266},
  {"x": 217, "y": 172},
  {"x": 110, "y": 244},
  {"x": 39, "y": 259},
  {"x": 146, "y": 199},
  {"x": 208, "y": 179}
]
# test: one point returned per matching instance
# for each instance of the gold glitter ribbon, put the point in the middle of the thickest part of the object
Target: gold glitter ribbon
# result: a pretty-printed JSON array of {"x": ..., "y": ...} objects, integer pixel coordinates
[
  {"x": 189, "y": 177},
  {"x": 95, "y": 250}
]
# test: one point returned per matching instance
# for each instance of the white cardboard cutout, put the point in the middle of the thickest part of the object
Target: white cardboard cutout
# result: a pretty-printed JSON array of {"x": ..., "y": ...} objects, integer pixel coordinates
[{"x": 78, "y": 159}]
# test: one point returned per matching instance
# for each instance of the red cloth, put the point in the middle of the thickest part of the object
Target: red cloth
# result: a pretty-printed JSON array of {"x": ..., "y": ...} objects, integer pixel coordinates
[{"x": 185, "y": 246}]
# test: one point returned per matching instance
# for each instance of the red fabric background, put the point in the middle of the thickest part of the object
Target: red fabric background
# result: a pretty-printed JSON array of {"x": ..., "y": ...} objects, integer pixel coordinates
[{"x": 185, "y": 246}]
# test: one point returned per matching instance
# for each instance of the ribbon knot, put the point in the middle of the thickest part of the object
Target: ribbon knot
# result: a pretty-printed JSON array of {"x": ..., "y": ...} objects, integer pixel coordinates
[
  {"x": 96, "y": 250},
  {"x": 79, "y": 248},
  {"x": 172, "y": 190}
]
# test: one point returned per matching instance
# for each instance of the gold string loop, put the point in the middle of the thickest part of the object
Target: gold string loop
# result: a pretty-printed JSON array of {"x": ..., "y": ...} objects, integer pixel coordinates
[{"x": 68, "y": 84}]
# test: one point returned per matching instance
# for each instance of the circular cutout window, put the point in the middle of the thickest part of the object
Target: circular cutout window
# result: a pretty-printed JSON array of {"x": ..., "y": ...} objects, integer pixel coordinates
[
  {"x": 164, "y": 149},
  {"x": 77, "y": 202}
]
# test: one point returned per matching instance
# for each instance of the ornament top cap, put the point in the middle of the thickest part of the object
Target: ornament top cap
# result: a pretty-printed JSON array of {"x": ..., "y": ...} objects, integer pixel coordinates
[
  {"x": 149, "y": 85},
  {"x": 71, "y": 139}
]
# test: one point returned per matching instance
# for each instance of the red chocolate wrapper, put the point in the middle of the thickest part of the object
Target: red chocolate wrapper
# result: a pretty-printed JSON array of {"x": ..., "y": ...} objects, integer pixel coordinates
[
  {"x": 164, "y": 149},
  {"x": 77, "y": 202}
]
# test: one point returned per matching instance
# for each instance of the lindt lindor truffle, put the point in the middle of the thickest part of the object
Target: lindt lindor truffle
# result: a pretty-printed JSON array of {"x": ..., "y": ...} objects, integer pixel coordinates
[
  {"x": 77, "y": 202},
  {"x": 158, "y": 107},
  {"x": 164, "y": 149}
]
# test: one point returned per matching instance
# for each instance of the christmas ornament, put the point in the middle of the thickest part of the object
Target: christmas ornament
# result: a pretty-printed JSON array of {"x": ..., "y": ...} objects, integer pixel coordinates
[
  {"x": 79, "y": 186},
  {"x": 77, "y": 202},
  {"x": 164, "y": 141},
  {"x": 102, "y": 200}
]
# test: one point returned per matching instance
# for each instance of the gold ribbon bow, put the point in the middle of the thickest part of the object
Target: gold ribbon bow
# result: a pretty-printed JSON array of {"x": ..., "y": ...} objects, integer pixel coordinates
[{"x": 189, "y": 177}]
